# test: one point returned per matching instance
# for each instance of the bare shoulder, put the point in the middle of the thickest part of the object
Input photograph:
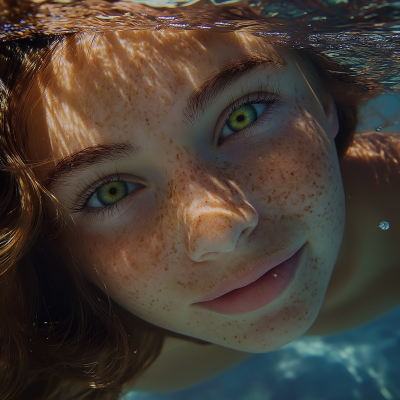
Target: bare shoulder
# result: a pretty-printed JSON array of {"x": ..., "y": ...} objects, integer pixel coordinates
[
  {"x": 183, "y": 364},
  {"x": 364, "y": 283}
]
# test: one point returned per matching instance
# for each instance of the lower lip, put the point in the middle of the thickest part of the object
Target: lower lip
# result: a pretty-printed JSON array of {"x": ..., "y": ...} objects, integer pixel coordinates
[{"x": 259, "y": 293}]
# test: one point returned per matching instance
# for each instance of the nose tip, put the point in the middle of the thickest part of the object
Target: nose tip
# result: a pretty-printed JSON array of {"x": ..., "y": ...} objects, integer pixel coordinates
[{"x": 216, "y": 234}]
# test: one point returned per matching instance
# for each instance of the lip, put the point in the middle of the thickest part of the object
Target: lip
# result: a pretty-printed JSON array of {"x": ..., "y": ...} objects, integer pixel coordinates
[
  {"x": 250, "y": 276},
  {"x": 256, "y": 288}
]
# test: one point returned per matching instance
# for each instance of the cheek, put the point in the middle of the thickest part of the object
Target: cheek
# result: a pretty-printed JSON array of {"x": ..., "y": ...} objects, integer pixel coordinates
[
  {"x": 293, "y": 180},
  {"x": 297, "y": 174},
  {"x": 133, "y": 259}
]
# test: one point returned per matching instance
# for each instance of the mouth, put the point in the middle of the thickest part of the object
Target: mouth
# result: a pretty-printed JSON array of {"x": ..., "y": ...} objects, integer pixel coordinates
[{"x": 256, "y": 288}]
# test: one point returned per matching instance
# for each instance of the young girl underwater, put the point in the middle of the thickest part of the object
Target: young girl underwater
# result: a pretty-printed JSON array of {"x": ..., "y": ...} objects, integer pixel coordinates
[{"x": 174, "y": 202}]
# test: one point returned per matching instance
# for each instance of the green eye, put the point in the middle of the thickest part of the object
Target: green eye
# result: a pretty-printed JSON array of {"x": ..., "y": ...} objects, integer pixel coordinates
[
  {"x": 242, "y": 118},
  {"x": 110, "y": 193}
]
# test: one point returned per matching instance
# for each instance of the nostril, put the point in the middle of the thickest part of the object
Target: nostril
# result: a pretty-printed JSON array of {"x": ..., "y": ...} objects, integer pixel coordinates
[
  {"x": 247, "y": 231},
  {"x": 211, "y": 231}
]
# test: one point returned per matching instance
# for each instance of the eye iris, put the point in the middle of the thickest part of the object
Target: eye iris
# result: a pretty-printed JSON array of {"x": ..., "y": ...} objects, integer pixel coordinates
[
  {"x": 112, "y": 192},
  {"x": 242, "y": 118}
]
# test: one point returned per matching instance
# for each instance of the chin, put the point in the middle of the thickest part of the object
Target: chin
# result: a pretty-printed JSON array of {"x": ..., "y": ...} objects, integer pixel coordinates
[{"x": 274, "y": 332}]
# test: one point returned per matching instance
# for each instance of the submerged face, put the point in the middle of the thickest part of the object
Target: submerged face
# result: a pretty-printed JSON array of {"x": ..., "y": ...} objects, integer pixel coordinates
[{"x": 187, "y": 160}]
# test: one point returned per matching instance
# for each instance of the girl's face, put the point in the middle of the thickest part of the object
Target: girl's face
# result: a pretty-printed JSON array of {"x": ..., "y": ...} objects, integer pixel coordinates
[{"x": 186, "y": 160}]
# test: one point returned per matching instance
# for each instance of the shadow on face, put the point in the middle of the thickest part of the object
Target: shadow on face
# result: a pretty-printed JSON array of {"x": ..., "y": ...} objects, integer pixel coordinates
[{"x": 187, "y": 160}]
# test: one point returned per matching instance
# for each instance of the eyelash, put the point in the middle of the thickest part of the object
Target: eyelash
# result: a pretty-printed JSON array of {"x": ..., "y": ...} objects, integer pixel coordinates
[
  {"x": 245, "y": 99},
  {"x": 261, "y": 97},
  {"x": 81, "y": 207}
]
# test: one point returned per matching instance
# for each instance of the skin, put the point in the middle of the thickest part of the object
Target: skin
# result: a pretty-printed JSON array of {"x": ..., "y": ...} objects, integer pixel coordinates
[{"x": 205, "y": 212}]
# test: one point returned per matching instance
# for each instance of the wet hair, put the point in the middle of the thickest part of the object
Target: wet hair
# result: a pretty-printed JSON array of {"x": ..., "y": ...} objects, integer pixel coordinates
[{"x": 61, "y": 336}]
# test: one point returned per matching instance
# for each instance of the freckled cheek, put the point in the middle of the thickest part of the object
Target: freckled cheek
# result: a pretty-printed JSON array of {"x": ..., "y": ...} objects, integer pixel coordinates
[
  {"x": 291, "y": 177},
  {"x": 138, "y": 254}
]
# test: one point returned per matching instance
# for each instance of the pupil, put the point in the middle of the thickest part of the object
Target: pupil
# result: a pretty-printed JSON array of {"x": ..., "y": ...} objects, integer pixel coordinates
[
  {"x": 112, "y": 191},
  {"x": 240, "y": 118}
]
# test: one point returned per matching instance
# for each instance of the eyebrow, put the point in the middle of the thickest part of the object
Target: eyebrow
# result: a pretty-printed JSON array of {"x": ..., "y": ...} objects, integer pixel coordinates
[
  {"x": 88, "y": 157},
  {"x": 226, "y": 76}
]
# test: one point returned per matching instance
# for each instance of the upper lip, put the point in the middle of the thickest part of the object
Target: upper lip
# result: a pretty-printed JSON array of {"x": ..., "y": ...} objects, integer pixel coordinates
[{"x": 252, "y": 274}]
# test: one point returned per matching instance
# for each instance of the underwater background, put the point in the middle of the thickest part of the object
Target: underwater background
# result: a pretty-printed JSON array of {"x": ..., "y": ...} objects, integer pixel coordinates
[
  {"x": 359, "y": 364},
  {"x": 362, "y": 363}
]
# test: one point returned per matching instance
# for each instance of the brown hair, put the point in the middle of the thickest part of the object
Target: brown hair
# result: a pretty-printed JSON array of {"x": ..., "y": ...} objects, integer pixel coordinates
[{"x": 59, "y": 331}]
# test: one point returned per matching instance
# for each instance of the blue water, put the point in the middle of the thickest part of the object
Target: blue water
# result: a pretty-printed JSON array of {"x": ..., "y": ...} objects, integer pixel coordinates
[
  {"x": 360, "y": 364},
  {"x": 363, "y": 363},
  {"x": 381, "y": 112}
]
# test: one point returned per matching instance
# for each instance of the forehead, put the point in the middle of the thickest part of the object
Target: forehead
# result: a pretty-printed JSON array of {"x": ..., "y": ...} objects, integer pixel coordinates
[
  {"x": 100, "y": 84},
  {"x": 148, "y": 57}
]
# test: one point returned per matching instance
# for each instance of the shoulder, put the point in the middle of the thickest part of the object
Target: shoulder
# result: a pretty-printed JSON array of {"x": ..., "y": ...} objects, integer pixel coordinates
[
  {"x": 183, "y": 364},
  {"x": 377, "y": 156},
  {"x": 363, "y": 285}
]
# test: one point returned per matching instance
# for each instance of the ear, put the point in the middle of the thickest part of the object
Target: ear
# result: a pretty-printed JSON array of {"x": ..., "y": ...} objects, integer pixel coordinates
[{"x": 331, "y": 115}]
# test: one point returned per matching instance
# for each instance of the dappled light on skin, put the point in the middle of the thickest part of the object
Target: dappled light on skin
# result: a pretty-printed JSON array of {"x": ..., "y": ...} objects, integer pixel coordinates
[
  {"x": 309, "y": 125},
  {"x": 309, "y": 86},
  {"x": 249, "y": 42},
  {"x": 205, "y": 213},
  {"x": 219, "y": 184},
  {"x": 72, "y": 122},
  {"x": 301, "y": 124},
  {"x": 214, "y": 219},
  {"x": 105, "y": 73}
]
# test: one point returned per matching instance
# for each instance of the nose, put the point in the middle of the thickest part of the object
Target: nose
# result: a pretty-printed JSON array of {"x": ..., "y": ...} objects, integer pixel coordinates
[{"x": 215, "y": 218}]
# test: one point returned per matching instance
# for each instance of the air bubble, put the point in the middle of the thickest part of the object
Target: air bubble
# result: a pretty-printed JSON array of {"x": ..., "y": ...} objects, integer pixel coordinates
[{"x": 384, "y": 225}]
